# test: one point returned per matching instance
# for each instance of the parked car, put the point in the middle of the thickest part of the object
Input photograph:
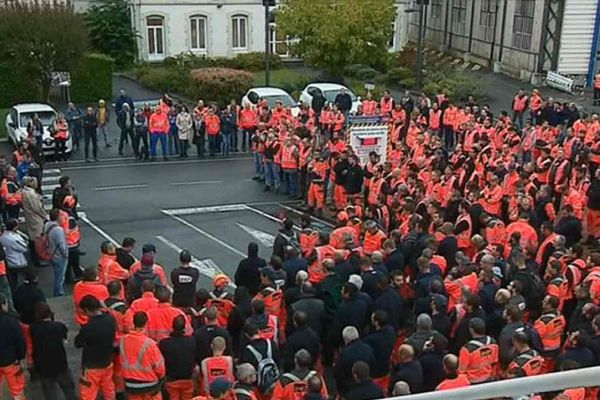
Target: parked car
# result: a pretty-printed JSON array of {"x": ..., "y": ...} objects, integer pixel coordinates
[
  {"x": 20, "y": 115},
  {"x": 329, "y": 91},
  {"x": 272, "y": 95}
]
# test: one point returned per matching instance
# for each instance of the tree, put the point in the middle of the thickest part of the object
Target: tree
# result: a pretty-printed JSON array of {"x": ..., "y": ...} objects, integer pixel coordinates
[
  {"x": 34, "y": 42},
  {"x": 335, "y": 33},
  {"x": 111, "y": 32}
]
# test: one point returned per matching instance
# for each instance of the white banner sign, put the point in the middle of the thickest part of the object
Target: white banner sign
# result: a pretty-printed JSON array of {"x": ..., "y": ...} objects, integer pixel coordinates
[{"x": 367, "y": 138}]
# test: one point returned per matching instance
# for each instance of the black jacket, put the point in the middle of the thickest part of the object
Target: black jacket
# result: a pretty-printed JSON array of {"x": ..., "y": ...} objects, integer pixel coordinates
[
  {"x": 302, "y": 338},
  {"x": 97, "y": 340},
  {"x": 411, "y": 373},
  {"x": 343, "y": 102},
  {"x": 433, "y": 369},
  {"x": 49, "y": 354},
  {"x": 260, "y": 345},
  {"x": 395, "y": 261},
  {"x": 354, "y": 179},
  {"x": 179, "y": 353},
  {"x": 247, "y": 274},
  {"x": 314, "y": 309},
  {"x": 204, "y": 336},
  {"x": 25, "y": 299},
  {"x": 364, "y": 391},
  {"x": 12, "y": 341},
  {"x": 353, "y": 352},
  {"x": 382, "y": 342},
  {"x": 352, "y": 312},
  {"x": 390, "y": 302}
]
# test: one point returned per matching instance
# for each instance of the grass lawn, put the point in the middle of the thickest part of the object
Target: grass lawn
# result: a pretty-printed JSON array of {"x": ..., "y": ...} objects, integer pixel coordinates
[
  {"x": 281, "y": 77},
  {"x": 3, "y": 113}
]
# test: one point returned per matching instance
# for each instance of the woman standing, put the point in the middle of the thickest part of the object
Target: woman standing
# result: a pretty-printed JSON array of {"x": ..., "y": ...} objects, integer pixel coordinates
[
  {"x": 34, "y": 212},
  {"x": 185, "y": 131},
  {"x": 61, "y": 135}
]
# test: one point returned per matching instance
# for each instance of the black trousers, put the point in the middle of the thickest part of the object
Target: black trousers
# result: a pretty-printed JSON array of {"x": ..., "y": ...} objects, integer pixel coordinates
[
  {"x": 199, "y": 142},
  {"x": 93, "y": 137},
  {"x": 141, "y": 138},
  {"x": 62, "y": 379},
  {"x": 60, "y": 149},
  {"x": 73, "y": 268},
  {"x": 126, "y": 135}
]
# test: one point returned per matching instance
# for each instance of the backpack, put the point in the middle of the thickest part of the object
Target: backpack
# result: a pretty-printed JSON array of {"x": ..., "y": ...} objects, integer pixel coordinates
[
  {"x": 267, "y": 372},
  {"x": 534, "y": 338},
  {"x": 292, "y": 241},
  {"x": 537, "y": 292},
  {"x": 144, "y": 273},
  {"x": 42, "y": 246},
  {"x": 297, "y": 388}
]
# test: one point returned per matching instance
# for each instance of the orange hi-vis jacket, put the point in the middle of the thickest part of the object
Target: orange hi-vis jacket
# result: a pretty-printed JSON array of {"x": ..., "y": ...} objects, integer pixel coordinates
[
  {"x": 454, "y": 287},
  {"x": 528, "y": 234},
  {"x": 68, "y": 223},
  {"x": 2, "y": 268},
  {"x": 336, "y": 238},
  {"x": 213, "y": 124},
  {"x": 158, "y": 123},
  {"x": 375, "y": 190},
  {"x": 82, "y": 289},
  {"x": 572, "y": 394},
  {"x": 215, "y": 367},
  {"x": 316, "y": 271},
  {"x": 478, "y": 359},
  {"x": 373, "y": 241},
  {"x": 528, "y": 363},
  {"x": 293, "y": 387},
  {"x": 289, "y": 157},
  {"x": 593, "y": 280},
  {"x": 247, "y": 118},
  {"x": 558, "y": 286},
  {"x": 492, "y": 199},
  {"x": 536, "y": 102},
  {"x": 386, "y": 105},
  {"x": 144, "y": 303},
  {"x": 308, "y": 241},
  {"x": 110, "y": 270},
  {"x": 464, "y": 237},
  {"x": 540, "y": 253},
  {"x": 454, "y": 383},
  {"x": 520, "y": 103},
  {"x": 223, "y": 305},
  {"x": 369, "y": 107},
  {"x": 142, "y": 361},
  {"x": 551, "y": 327},
  {"x": 272, "y": 298},
  {"x": 160, "y": 321},
  {"x": 10, "y": 192},
  {"x": 435, "y": 119}
]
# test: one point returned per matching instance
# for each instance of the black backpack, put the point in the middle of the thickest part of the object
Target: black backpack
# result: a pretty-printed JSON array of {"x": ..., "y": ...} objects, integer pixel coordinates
[{"x": 138, "y": 278}]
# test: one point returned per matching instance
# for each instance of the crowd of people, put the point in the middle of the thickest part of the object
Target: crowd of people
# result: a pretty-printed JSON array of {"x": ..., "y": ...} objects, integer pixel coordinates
[{"x": 469, "y": 255}]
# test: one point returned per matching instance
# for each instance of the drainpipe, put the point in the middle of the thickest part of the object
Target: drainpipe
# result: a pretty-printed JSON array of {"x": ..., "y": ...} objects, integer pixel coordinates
[
  {"x": 502, "y": 30},
  {"x": 450, "y": 7},
  {"x": 594, "y": 52},
  {"x": 446, "y": 24},
  {"x": 493, "y": 46},
  {"x": 471, "y": 27}
]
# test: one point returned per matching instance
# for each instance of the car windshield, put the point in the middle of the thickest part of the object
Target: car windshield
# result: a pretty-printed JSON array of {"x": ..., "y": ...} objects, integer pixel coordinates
[
  {"x": 286, "y": 100},
  {"x": 47, "y": 117},
  {"x": 330, "y": 95}
]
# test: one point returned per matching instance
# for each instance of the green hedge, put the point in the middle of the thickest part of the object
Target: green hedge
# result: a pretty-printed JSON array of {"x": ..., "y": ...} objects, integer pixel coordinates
[
  {"x": 18, "y": 86},
  {"x": 253, "y": 61},
  {"x": 219, "y": 85},
  {"x": 92, "y": 78}
]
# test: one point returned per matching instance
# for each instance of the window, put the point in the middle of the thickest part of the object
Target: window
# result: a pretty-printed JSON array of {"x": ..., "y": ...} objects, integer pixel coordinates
[
  {"x": 156, "y": 47},
  {"x": 459, "y": 16},
  {"x": 523, "y": 24},
  {"x": 436, "y": 12},
  {"x": 392, "y": 41},
  {"x": 239, "y": 32},
  {"x": 198, "y": 32},
  {"x": 487, "y": 19}
]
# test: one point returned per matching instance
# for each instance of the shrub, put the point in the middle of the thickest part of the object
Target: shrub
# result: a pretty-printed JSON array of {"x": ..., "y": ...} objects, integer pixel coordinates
[
  {"x": 458, "y": 85},
  {"x": 92, "y": 79},
  {"x": 407, "y": 57},
  {"x": 361, "y": 71},
  {"x": 399, "y": 74},
  {"x": 162, "y": 79},
  {"x": 219, "y": 84},
  {"x": 254, "y": 61}
]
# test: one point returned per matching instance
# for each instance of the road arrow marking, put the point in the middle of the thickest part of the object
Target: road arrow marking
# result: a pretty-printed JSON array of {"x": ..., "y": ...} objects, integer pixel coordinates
[{"x": 265, "y": 238}]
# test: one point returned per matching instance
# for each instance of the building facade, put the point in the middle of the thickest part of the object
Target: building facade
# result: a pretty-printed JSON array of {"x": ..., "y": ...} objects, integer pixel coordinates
[{"x": 519, "y": 37}]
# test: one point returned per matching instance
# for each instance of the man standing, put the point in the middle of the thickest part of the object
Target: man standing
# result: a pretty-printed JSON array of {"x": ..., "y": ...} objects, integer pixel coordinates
[
  {"x": 213, "y": 128},
  {"x": 519, "y": 105},
  {"x": 184, "y": 279},
  {"x": 90, "y": 127},
  {"x": 159, "y": 128},
  {"x": 57, "y": 243},
  {"x": 74, "y": 115},
  {"x": 343, "y": 101},
  {"x": 289, "y": 163},
  {"x": 96, "y": 338},
  {"x": 143, "y": 363},
  {"x": 123, "y": 99},
  {"x": 15, "y": 249},
  {"x": 12, "y": 351},
  {"x": 125, "y": 122},
  {"x": 102, "y": 119}
]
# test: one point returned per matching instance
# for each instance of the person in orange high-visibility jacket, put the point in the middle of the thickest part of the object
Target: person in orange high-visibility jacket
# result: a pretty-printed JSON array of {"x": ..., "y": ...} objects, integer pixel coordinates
[
  {"x": 519, "y": 105},
  {"x": 143, "y": 363},
  {"x": 108, "y": 267},
  {"x": 527, "y": 362},
  {"x": 386, "y": 103},
  {"x": 145, "y": 303},
  {"x": 68, "y": 223},
  {"x": 337, "y": 236},
  {"x": 374, "y": 238},
  {"x": 478, "y": 359},
  {"x": 454, "y": 379},
  {"x": 158, "y": 126},
  {"x": 247, "y": 123},
  {"x": 316, "y": 270},
  {"x": 293, "y": 385},
  {"x": 492, "y": 197},
  {"x": 551, "y": 327},
  {"x": 369, "y": 105},
  {"x": 150, "y": 249},
  {"x": 11, "y": 193},
  {"x": 269, "y": 292},
  {"x": 16, "y": 350},
  {"x": 317, "y": 170},
  {"x": 216, "y": 366},
  {"x": 213, "y": 128},
  {"x": 160, "y": 318},
  {"x": 289, "y": 164},
  {"x": 89, "y": 285},
  {"x": 536, "y": 104}
]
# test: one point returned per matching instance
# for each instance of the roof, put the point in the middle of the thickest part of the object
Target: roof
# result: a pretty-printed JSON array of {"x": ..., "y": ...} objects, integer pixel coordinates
[
  {"x": 33, "y": 107},
  {"x": 269, "y": 91}
]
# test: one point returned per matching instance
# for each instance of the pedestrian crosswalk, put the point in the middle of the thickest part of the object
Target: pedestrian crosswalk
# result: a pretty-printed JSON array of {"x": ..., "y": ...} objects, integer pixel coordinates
[{"x": 49, "y": 183}]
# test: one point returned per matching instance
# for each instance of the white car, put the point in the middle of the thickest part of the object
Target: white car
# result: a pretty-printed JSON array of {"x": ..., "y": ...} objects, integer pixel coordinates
[
  {"x": 329, "y": 91},
  {"x": 20, "y": 115},
  {"x": 272, "y": 95}
]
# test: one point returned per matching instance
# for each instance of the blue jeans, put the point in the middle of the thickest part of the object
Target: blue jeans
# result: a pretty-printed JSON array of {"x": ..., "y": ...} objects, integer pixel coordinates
[
  {"x": 212, "y": 144},
  {"x": 173, "y": 141},
  {"x": 59, "y": 265},
  {"x": 246, "y": 135},
  {"x": 518, "y": 118},
  {"x": 272, "y": 174},
  {"x": 154, "y": 138},
  {"x": 258, "y": 165},
  {"x": 290, "y": 176},
  {"x": 225, "y": 143}
]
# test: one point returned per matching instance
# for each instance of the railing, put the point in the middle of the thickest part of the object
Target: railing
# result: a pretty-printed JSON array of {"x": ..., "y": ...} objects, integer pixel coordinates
[{"x": 514, "y": 388}]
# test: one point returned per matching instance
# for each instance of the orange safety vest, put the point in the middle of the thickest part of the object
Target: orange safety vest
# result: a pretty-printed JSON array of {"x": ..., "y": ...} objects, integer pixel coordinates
[
  {"x": 369, "y": 107},
  {"x": 223, "y": 305},
  {"x": 336, "y": 238},
  {"x": 373, "y": 241},
  {"x": 68, "y": 223},
  {"x": 540, "y": 253},
  {"x": 213, "y": 124},
  {"x": 308, "y": 241},
  {"x": 292, "y": 387},
  {"x": 247, "y": 118},
  {"x": 212, "y": 368},
  {"x": 62, "y": 131},
  {"x": 550, "y": 327},
  {"x": 142, "y": 362},
  {"x": 18, "y": 157},
  {"x": 160, "y": 321},
  {"x": 464, "y": 238},
  {"x": 520, "y": 103},
  {"x": 82, "y": 289},
  {"x": 10, "y": 192},
  {"x": 271, "y": 331},
  {"x": 386, "y": 105},
  {"x": 478, "y": 359},
  {"x": 375, "y": 190},
  {"x": 536, "y": 102},
  {"x": 316, "y": 272},
  {"x": 110, "y": 270},
  {"x": 435, "y": 119},
  {"x": 2, "y": 268},
  {"x": 272, "y": 300},
  {"x": 288, "y": 159},
  {"x": 529, "y": 362},
  {"x": 458, "y": 382}
]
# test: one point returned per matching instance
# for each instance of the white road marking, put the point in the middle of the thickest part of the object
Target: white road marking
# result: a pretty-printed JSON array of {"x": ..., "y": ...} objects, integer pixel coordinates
[
  {"x": 206, "y": 234},
  {"x": 265, "y": 238},
  {"x": 52, "y": 171},
  {"x": 49, "y": 188},
  {"x": 312, "y": 217},
  {"x": 195, "y": 183},
  {"x": 52, "y": 178},
  {"x": 206, "y": 267},
  {"x": 48, "y": 206},
  {"x": 100, "y": 231},
  {"x": 205, "y": 210},
  {"x": 154, "y": 164},
  {"x": 122, "y": 187}
]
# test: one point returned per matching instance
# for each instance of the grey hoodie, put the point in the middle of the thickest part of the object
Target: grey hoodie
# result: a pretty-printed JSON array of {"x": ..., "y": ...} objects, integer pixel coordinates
[{"x": 57, "y": 240}]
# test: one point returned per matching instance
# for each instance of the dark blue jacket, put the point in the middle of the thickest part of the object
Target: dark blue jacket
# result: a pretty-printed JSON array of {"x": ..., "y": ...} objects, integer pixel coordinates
[
  {"x": 353, "y": 352},
  {"x": 390, "y": 302},
  {"x": 382, "y": 342}
]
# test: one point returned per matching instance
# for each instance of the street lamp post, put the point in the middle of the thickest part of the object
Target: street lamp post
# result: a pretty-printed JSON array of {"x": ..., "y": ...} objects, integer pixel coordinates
[
  {"x": 420, "y": 46},
  {"x": 267, "y": 4}
]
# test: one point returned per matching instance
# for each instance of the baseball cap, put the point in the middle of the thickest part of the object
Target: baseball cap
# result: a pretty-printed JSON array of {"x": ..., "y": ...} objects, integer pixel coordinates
[
  {"x": 268, "y": 272},
  {"x": 497, "y": 272},
  {"x": 219, "y": 386},
  {"x": 148, "y": 248},
  {"x": 220, "y": 280}
]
